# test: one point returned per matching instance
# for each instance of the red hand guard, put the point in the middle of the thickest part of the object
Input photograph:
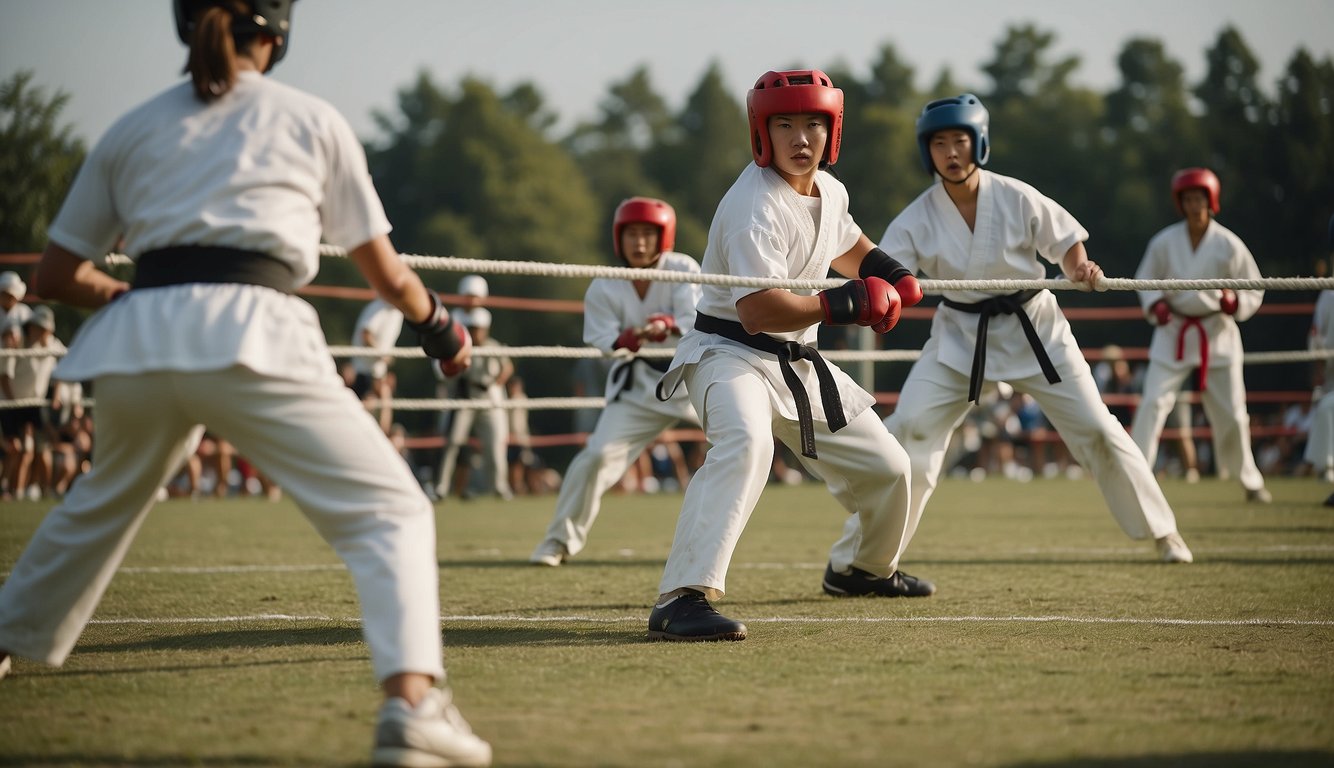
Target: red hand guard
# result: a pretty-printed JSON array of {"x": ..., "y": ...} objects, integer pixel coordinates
[
  {"x": 1227, "y": 302},
  {"x": 871, "y": 302},
  {"x": 452, "y": 367},
  {"x": 910, "y": 291},
  {"x": 1162, "y": 314},
  {"x": 667, "y": 325},
  {"x": 629, "y": 339}
]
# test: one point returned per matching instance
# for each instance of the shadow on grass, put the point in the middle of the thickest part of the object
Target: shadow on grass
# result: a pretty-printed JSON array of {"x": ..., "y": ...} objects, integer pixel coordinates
[
  {"x": 1239, "y": 759},
  {"x": 229, "y": 664},
  {"x": 1148, "y": 561},
  {"x": 236, "y": 638},
  {"x": 154, "y": 761},
  {"x": 545, "y": 636}
]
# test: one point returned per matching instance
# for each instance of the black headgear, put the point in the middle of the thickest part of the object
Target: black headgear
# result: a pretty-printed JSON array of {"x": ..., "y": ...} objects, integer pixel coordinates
[{"x": 270, "y": 17}]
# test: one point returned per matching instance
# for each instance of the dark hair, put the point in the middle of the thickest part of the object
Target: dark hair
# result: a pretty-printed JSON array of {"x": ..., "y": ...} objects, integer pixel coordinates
[{"x": 213, "y": 49}]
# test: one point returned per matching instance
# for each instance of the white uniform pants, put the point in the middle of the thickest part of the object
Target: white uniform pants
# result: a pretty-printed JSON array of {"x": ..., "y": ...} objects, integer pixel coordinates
[
  {"x": 493, "y": 432},
  {"x": 1320, "y": 443},
  {"x": 313, "y": 439},
  {"x": 934, "y": 401},
  {"x": 1224, "y": 400},
  {"x": 863, "y": 466},
  {"x": 623, "y": 432}
]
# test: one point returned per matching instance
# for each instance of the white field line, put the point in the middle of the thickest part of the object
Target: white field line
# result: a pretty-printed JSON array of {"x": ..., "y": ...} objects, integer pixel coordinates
[
  {"x": 761, "y": 620},
  {"x": 188, "y": 570}
]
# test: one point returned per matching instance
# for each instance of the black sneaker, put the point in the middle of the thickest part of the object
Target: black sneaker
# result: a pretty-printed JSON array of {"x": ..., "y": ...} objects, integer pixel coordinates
[
  {"x": 857, "y": 583},
  {"x": 689, "y": 617}
]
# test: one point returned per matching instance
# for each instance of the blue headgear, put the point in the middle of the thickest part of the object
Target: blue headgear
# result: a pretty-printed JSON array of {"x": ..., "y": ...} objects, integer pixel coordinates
[{"x": 964, "y": 112}]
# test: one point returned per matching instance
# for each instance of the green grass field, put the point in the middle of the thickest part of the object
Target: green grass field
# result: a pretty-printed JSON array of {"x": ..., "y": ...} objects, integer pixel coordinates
[{"x": 230, "y": 639}]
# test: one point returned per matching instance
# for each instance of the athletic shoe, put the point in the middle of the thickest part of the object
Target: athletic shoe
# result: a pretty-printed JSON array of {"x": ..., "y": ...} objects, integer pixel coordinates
[
  {"x": 1192, "y": 475},
  {"x": 1259, "y": 496},
  {"x": 4, "y": 666},
  {"x": 689, "y": 617},
  {"x": 858, "y": 583},
  {"x": 1172, "y": 549},
  {"x": 431, "y": 735},
  {"x": 549, "y": 552},
  {"x": 1329, "y": 500}
]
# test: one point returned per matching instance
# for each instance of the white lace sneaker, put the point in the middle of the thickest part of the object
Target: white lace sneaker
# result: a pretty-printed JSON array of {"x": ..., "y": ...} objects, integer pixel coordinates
[
  {"x": 431, "y": 735},
  {"x": 549, "y": 552},
  {"x": 1172, "y": 549}
]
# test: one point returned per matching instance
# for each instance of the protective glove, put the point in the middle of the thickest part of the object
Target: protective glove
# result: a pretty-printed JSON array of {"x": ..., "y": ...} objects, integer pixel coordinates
[
  {"x": 443, "y": 339},
  {"x": 1227, "y": 301},
  {"x": 660, "y": 326},
  {"x": 872, "y": 302},
  {"x": 1162, "y": 314},
  {"x": 879, "y": 264},
  {"x": 629, "y": 339}
]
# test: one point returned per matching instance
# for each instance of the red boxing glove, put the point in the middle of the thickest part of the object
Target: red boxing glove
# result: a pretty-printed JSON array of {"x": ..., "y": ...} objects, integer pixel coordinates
[
  {"x": 660, "y": 326},
  {"x": 871, "y": 302},
  {"x": 1228, "y": 301},
  {"x": 1162, "y": 314},
  {"x": 629, "y": 339},
  {"x": 453, "y": 366},
  {"x": 910, "y": 291}
]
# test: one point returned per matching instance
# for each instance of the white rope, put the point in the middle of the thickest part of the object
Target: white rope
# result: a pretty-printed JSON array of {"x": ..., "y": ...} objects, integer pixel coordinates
[{"x": 587, "y": 271}]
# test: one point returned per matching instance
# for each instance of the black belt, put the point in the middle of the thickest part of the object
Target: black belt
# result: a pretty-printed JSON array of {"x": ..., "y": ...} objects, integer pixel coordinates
[
  {"x": 182, "y": 264},
  {"x": 1012, "y": 304},
  {"x": 787, "y": 351},
  {"x": 624, "y": 373}
]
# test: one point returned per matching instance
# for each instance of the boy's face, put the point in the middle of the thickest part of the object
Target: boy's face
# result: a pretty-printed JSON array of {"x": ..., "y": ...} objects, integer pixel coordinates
[
  {"x": 952, "y": 154},
  {"x": 639, "y": 244},
  {"x": 799, "y": 142},
  {"x": 1195, "y": 204}
]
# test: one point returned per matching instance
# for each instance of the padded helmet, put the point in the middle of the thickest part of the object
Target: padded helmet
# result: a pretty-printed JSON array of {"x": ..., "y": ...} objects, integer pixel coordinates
[
  {"x": 271, "y": 17},
  {"x": 1195, "y": 178},
  {"x": 645, "y": 210},
  {"x": 964, "y": 112},
  {"x": 793, "y": 92}
]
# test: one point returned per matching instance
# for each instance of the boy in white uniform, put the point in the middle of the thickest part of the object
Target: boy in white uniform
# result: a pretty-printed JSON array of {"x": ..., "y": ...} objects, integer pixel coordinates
[
  {"x": 484, "y": 380},
  {"x": 753, "y": 374},
  {"x": 1320, "y": 443},
  {"x": 1197, "y": 330},
  {"x": 626, "y": 315},
  {"x": 973, "y": 225},
  {"x": 223, "y": 187}
]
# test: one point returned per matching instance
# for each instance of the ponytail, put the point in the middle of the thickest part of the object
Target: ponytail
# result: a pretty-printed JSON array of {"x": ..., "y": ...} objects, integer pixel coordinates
[{"x": 213, "y": 46}]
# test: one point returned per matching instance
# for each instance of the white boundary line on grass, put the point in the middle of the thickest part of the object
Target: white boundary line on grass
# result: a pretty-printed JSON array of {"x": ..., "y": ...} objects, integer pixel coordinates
[
  {"x": 190, "y": 570},
  {"x": 763, "y": 620}
]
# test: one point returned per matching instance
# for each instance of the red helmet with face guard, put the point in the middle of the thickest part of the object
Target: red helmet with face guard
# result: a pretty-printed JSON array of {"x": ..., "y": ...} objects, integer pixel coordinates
[
  {"x": 645, "y": 210},
  {"x": 794, "y": 92},
  {"x": 1195, "y": 178}
]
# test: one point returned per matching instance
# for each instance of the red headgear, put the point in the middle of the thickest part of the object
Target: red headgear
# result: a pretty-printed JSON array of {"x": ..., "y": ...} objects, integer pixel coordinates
[
  {"x": 645, "y": 210},
  {"x": 795, "y": 92},
  {"x": 1195, "y": 178}
]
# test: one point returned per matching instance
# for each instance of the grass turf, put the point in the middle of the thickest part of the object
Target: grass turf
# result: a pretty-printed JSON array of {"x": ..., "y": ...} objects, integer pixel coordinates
[{"x": 1053, "y": 641}]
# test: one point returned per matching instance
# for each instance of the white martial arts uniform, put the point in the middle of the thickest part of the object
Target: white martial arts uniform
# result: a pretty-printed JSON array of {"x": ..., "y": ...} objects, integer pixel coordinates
[
  {"x": 1197, "y": 324},
  {"x": 480, "y": 382},
  {"x": 265, "y": 168},
  {"x": 1320, "y": 443},
  {"x": 763, "y": 228},
  {"x": 634, "y": 416},
  {"x": 1015, "y": 225}
]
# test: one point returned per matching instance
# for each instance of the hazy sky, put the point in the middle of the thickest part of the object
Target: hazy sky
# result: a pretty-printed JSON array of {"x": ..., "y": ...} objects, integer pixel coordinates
[{"x": 112, "y": 54}]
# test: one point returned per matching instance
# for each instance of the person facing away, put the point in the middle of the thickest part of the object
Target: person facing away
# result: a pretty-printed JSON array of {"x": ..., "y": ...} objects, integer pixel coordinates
[
  {"x": 974, "y": 224},
  {"x": 223, "y": 187},
  {"x": 626, "y": 316},
  {"x": 377, "y": 329},
  {"x": 1197, "y": 330},
  {"x": 753, "y": 374}
]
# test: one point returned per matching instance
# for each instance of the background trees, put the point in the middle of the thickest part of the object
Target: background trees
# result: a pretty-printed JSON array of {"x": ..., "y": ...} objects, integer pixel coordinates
[{"x": 467, "y": 170}]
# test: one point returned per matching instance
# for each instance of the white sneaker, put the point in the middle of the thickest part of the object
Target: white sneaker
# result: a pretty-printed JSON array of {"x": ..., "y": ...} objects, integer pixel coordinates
[
  {"x": 1259, "y": 496},
  {"x": 4, "y": 666},
  {"x": 1172, "y": 549},
  {"x": 431, "y": 735},
  {"x": 549, "y": 552},
  {"x": 1192, "y": 475}
]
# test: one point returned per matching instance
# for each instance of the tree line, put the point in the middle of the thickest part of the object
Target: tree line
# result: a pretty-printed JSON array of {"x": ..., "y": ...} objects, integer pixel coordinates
[{"x": 473, "y": 171}]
